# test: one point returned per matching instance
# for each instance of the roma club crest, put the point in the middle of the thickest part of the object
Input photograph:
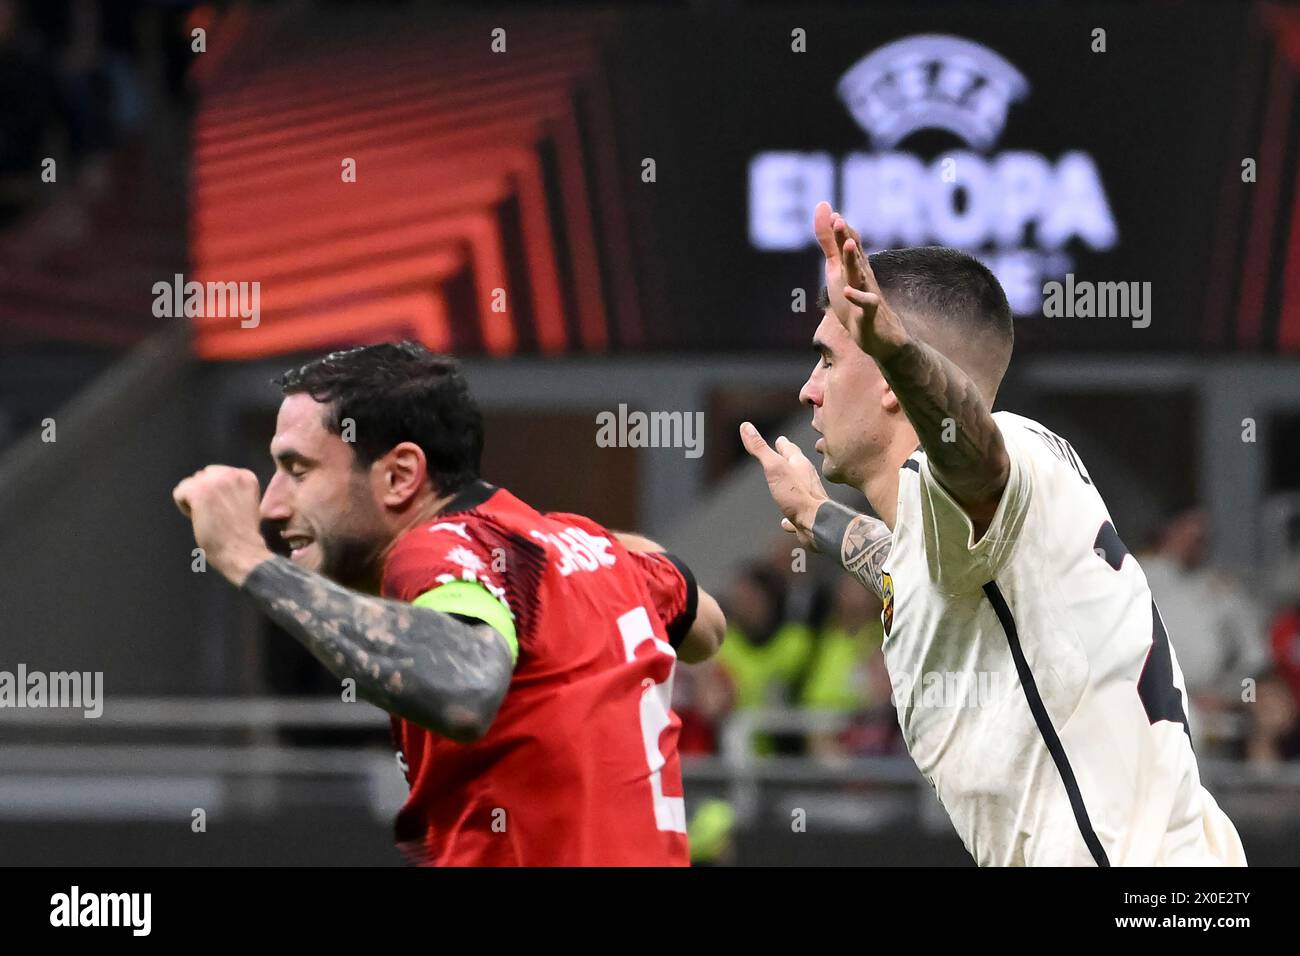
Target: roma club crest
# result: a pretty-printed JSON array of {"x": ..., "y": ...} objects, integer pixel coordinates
[{"x": 887, "y": 596}]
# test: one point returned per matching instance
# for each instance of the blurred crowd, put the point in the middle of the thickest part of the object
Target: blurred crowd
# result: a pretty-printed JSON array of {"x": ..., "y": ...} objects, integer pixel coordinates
[
  {"x": 1239, "y": 650},
  {"x": 799, "y": 637},
  {"x": 74, "y": 85}
]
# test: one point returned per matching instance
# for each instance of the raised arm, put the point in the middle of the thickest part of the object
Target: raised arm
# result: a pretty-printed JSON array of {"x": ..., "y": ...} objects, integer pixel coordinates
[
  {"x": 440, "y": 671},
  {"x": 965, "y": 449}
]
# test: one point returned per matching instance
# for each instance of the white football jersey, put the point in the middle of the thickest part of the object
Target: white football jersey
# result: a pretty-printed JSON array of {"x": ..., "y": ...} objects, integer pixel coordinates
[{"x": 1036, "y": 687}]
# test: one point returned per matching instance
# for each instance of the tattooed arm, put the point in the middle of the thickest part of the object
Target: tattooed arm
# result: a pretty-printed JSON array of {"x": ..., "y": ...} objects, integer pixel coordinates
[
  {"x": 964, "y": 446},
  {"x": 942, "y": 402},
  {"x": 442, "y": 672},
  {"x": 860, "y": 541}
]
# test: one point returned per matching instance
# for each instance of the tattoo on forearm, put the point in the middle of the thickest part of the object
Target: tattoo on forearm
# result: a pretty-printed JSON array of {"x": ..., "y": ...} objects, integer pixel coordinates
[
  {"x": 420, "y": 664},
  {"x": 861, "y": 542},
  {"x": 932, "y": 390}
]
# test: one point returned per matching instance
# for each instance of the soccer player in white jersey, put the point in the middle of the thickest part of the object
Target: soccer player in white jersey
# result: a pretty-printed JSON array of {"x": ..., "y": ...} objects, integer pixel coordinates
[{"x": 1036, "y": 687}]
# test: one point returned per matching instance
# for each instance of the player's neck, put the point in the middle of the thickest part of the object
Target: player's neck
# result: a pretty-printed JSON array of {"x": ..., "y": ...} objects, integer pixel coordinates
[
  {"x": 420, "y": 513},
  {"x": 881, "y": 490},
  {"x": 427, "y": 510},
  {"x": 880, "y": 486}
]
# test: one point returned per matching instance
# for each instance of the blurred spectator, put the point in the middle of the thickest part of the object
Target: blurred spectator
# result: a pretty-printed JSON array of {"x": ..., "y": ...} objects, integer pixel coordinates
[
  {"x": 26, "y": 109},
  {"x": 712, "y": 834},
  {"x": 702, "y": 696},
  {"x": 70, "y": 36},
  {"x": 1272, "y": 736},
  {"x": 1270, "y": 740},
  {"x": 807, "y": 597},
  {"x": 848, "y": 674},
  {"x": 851, "y": 636},
  {"x": 765, "y": 655},
  {"x": 1286, "y": 648},
  {"x": 1216, "y": 629},
  {"x": 121, "y": 19},
  {"x": 72, "y": 88}
]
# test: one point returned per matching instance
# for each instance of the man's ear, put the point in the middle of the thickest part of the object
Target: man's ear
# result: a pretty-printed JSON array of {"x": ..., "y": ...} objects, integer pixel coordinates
[
  {"x": 403, "y": 472},
  {"x": 888, "y": 400}
]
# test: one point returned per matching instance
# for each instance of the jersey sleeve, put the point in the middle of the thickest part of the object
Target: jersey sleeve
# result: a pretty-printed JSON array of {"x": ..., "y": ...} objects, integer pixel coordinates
[
  {"x": 450, "y": 568},
  {"x": 673, "y": 590},
  {"x": 957, "y": 562}
]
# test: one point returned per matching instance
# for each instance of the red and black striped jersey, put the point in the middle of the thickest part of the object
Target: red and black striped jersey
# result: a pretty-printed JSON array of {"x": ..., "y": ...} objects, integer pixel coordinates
[{"x": 580, "y": 766}]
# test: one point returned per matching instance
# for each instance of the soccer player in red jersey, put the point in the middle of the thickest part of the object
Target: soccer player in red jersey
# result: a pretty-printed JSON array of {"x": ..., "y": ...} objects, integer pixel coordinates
[{"x": 526, "y": 658}]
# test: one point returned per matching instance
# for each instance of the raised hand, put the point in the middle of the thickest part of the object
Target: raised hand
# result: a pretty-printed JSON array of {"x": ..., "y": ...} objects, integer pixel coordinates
[
  {"x": 851, "y": 286},
  {"x": 792, "y": 480}
]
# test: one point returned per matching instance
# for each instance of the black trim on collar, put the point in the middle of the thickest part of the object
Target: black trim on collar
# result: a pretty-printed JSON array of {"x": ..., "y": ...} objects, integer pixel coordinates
[
  {"x": 469, "y": 497},
  {"x": 912, "y": 465}
]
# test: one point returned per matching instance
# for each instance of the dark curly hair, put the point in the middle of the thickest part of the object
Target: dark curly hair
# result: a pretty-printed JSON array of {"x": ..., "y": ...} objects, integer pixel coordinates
[{"x": 395, "y": 393}]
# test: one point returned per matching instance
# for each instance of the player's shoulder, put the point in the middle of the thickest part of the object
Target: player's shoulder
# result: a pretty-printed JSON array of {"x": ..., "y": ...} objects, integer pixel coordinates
[
  {"x": 1036, "y": 441},
  {"x": 1010, "y": 422},
  {"x": 1013, "y": 427},
  {"x": 579, "y": 542},
  {"x": 1029, "y": 439},
  {"x": 568, "y": 519},
  {"x": 479, "y": 516},
  {"x": 481, "y": 533},
  {"x": 1048, "y": 457}
]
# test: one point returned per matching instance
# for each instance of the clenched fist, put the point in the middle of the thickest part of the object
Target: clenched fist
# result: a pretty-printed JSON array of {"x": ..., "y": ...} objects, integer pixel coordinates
[{"x": 222, "y": 502}]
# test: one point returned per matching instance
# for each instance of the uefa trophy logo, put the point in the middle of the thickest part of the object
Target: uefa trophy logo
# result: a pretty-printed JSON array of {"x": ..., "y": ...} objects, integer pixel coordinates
[{"x": 932, "y": 82}]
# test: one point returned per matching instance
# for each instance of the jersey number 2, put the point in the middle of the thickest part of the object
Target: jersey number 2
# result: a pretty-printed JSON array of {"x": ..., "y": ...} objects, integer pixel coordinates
[
  {"x": 635, "y": 629},
  {"x": 1160, "y": 697}
]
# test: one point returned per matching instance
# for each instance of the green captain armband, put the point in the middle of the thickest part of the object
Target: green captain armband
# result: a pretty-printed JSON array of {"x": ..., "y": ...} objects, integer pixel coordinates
[{"x": 471, "y": 599}]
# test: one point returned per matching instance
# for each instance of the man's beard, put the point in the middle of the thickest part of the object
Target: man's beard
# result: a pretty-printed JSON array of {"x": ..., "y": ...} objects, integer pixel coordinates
[{"x": 350, "y": 560}]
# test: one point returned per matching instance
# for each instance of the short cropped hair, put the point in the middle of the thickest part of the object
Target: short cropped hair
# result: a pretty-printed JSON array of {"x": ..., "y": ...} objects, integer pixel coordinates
[
  {"x": 952, "y": 300},
  {"x": 941, "y": 284}
]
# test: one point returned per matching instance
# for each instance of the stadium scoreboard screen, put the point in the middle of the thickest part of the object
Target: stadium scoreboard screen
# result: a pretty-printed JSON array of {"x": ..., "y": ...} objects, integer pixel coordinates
[{"x": 1052, "y": 147}]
